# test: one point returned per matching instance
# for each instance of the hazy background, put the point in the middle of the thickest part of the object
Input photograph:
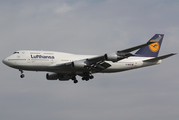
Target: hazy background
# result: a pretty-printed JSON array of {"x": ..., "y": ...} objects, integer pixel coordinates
[{"x": 89, "y": 27}]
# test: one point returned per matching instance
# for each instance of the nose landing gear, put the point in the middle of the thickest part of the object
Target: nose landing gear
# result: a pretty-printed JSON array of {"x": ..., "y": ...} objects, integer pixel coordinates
[{"x": 22, "y": 75}]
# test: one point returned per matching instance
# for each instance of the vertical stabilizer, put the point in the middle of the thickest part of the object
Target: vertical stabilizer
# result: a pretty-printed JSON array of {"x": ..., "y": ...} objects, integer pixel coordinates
[{"x": 153, "y": 49}]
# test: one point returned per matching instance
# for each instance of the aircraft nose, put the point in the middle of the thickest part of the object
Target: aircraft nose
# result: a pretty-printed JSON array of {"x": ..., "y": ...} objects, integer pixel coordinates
[{"x": 5, "y": 61}]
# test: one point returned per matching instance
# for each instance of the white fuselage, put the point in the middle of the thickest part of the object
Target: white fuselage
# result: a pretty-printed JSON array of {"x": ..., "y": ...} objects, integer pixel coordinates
[{"x": 48, "y": 61}]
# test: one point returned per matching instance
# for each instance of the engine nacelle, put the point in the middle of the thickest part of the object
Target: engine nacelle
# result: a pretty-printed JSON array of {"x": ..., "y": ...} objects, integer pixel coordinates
[
  {"x": 114, "y": 57},
  {"x": 78, "y": 64},
  {"x": 65, "y": 77},
  {"x": 111, "y": 57},
  {"x": 55, "y": 76}
]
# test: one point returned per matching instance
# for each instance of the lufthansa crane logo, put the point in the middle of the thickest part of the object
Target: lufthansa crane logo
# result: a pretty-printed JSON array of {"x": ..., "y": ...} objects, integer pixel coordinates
[{"x": 154, "y": 47}]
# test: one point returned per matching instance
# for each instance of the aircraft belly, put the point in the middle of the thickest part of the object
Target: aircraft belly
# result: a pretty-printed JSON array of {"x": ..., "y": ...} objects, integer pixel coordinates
[
  {"x": 31, "y": 68},
  {"x": 67, "y": 71}
]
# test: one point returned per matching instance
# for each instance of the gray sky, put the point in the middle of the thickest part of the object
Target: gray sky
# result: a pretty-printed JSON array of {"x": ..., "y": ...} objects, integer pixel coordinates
[{"x": 89, "y": 27}]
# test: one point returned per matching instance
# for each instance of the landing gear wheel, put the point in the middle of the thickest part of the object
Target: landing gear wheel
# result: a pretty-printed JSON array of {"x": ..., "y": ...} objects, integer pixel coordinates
[
  {"x": 75, "y": 81},
  {"x": 87, "y": 77},
  {"x": 22, "y": 75},
  {"x": 91, "y": 76}
]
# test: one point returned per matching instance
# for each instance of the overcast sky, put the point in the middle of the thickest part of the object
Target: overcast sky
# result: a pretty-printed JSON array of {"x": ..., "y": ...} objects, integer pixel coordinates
[{"x": 89, "y": 27}]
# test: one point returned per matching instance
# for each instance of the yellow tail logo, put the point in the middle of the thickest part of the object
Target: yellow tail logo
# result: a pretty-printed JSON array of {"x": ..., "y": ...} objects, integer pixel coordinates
[{"x": 154, "y": 47}]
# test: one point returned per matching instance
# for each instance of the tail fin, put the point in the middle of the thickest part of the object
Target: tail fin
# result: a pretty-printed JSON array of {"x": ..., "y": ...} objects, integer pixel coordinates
[{"x": 151, "y": 50}]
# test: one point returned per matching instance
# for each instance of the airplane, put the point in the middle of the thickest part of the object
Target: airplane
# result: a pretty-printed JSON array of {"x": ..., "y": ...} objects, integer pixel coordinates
[{"x": 65, "y": 66}]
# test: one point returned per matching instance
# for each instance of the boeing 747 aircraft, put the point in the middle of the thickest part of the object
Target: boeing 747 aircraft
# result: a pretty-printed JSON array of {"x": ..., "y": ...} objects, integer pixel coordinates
[{"x": 65, "y": 66}]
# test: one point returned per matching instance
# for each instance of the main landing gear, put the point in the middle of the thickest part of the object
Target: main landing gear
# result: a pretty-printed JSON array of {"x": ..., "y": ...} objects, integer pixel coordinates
[
  {"x": 75, "y": 80},
  {"x": 22, "y": 75},
  {"x": 85, "y": 77}
]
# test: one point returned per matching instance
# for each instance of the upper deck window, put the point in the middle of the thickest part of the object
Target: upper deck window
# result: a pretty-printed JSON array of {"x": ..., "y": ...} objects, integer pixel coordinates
[{"x": 16, "y": 53}]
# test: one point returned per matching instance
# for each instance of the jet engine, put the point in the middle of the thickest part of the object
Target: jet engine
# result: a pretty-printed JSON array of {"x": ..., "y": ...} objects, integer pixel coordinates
[
  {"x": 79, "y": 64},
  {"x": 111, "y": 57},
  {"x": 114, "y": 57},
  {"x": 55, "y": 76}
]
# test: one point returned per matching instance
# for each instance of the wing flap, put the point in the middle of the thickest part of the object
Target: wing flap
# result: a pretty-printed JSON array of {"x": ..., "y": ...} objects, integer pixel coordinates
[{"x": 100, "y": 66}]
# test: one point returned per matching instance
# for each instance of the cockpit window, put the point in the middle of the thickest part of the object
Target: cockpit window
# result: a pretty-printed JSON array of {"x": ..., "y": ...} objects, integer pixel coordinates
[{"x": 16, "y": 53}]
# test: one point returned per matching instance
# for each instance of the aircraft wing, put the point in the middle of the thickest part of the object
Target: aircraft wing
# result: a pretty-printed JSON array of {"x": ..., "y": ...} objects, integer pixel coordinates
[
  {"x": 94, "y": 64},
  {"x": 99, "y": 63}
]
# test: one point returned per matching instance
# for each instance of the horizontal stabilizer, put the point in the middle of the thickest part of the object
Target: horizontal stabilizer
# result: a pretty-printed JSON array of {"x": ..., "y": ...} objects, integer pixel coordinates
[{"x": 159, "y": 58}]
